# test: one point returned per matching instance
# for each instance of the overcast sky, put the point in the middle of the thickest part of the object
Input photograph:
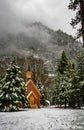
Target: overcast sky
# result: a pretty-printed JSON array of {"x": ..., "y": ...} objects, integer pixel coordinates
[{"x": 53, "y": 13}]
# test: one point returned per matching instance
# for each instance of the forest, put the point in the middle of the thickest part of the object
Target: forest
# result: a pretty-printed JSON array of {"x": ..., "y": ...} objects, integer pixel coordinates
[{"x": 63, "y": 88}]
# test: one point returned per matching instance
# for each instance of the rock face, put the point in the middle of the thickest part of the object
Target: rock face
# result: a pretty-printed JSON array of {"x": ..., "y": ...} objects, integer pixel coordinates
[
  {"x": 39, "y": 41},
  {"x": 36, "y": 38}
]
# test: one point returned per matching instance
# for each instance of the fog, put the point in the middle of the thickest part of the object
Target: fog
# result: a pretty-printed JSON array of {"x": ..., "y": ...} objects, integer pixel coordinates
[{"x": 54, "y": 14}]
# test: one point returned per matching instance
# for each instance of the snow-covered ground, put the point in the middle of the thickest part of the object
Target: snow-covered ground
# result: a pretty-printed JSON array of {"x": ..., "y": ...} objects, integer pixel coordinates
[{"x": 43, "y": 119}]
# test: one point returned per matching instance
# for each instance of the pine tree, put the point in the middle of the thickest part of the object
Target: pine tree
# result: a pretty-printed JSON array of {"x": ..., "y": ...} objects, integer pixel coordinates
[
  {"x": 62, "y": 86},
  {"x": 78, "y": 6},
  {"x": 57, "y": 89},
  {"x": 66, "y": 85},
  {"x": 73, "y": 88},
  {"x": 0, "y": 80},
  {"x": 80, "y": 69},
  {"x": 41, "y": 89},
  {"x": 12, "y": 91},
  {"x": 63, "y": 62},
  {"x": 59, "y": 94}
]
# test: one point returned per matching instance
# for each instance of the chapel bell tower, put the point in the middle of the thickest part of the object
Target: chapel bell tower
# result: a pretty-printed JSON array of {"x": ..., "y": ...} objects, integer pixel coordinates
[{"x": 28, "y": 73}]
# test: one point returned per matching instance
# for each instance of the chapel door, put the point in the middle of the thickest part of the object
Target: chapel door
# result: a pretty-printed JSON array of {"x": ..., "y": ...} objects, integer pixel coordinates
[{"x": 32, "y": 100}]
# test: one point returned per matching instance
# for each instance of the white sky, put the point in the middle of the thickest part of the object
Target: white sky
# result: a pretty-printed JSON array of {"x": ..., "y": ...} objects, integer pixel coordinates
[{"x": 53, "y": 13}]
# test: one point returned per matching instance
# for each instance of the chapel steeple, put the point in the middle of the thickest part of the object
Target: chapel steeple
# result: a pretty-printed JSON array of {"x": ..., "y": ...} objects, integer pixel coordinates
[
  {"x": 28, "y": 73},
  {"x": 32, "y": 93}
]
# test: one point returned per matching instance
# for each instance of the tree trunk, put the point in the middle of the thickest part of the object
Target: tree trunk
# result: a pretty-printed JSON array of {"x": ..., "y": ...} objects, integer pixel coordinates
[
  {"x": 82, "y": 18},
  {"x": 79, "y": 103},
  {"x": 65, "y": 104},
  {"x": 60, "y": 105}
]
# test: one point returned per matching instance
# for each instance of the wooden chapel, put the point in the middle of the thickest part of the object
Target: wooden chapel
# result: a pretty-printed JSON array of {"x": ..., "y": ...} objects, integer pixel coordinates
[{"x": 32, "y": 94}]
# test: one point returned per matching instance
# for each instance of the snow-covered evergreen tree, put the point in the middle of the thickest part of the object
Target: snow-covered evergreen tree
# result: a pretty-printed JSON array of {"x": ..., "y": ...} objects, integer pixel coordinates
[
  {"x": 12, "y": 90},
  {"x": 0, "y": 80},
  {"x": 63, "y": 62},
  {"x": 56, "y": 89},
  {"x": 80, "y": 69},
  {"x": 60, "y": 87},
  {"x": 72, "y": 84},
  {"x": 41, "y": 89},
  {"x": 67, "y": 84}
]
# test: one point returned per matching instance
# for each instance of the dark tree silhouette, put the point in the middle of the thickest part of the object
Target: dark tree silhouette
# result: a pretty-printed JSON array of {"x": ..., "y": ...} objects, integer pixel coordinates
[{"x": 78, "y": 6}]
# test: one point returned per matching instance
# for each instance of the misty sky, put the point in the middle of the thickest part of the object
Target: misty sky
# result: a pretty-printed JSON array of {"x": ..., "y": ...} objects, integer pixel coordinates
[{"x": 53, "y": 13}]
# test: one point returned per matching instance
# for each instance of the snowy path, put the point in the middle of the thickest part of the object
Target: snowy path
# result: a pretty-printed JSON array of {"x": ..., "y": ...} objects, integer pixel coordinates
[{"x": 43, "y": 119}]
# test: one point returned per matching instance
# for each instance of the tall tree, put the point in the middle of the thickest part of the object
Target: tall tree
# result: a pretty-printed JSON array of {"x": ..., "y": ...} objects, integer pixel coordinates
[
  {"x": 42, "y": 91},
  {"x": 63, "y": 62},
  {"x": 56, "y": 97},
  {"x": 67, "y": 87},
  {"x": 80, "y": 68},
  {"x": 78, "y": 6},
  {"x": 60, "y": 87},
  {"x": 67, "y": 84},
  {"x": 72, "y": 84},
  {"x": 12, "y": 90}
]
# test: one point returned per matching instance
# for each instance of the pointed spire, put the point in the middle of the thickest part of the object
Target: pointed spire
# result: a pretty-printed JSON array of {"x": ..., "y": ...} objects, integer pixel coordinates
[
  {"x": 28, "y": 73},
  {"x": 28, "y": 68}
]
